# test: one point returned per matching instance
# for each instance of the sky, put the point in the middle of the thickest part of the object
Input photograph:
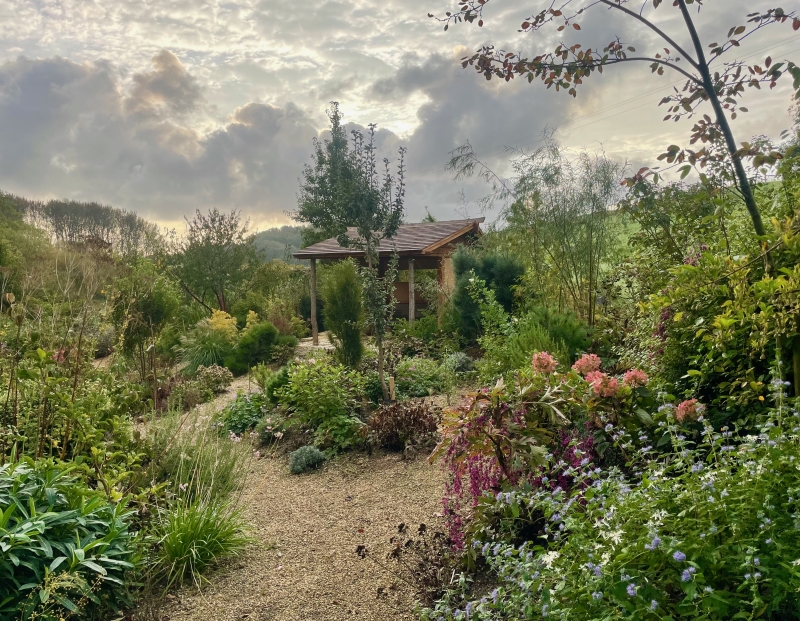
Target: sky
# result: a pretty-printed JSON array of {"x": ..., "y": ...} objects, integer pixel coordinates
[{"x": 170, "y": 106}]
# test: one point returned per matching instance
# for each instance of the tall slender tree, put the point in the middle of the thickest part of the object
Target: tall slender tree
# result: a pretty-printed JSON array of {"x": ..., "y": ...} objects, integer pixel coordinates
[{"x": 346, "y": 188}]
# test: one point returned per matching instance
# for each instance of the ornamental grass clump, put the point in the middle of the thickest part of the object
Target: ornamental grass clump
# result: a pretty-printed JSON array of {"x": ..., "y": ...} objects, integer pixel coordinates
[
  {"x": 709, "y": 530},
  {"x": 190, "y": 536}
]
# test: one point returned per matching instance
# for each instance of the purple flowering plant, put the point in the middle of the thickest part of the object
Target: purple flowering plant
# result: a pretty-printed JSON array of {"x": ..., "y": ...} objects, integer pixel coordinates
[{"x": 658, "y": 539}]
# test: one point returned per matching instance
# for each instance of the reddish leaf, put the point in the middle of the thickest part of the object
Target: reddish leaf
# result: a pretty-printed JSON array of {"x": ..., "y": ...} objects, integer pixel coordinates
[
  {"x": 576, "y": 26},
  {"x": 796, "y": 24}
]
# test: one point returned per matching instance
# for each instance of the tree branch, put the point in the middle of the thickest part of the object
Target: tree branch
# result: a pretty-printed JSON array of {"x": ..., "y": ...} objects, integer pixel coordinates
[{"x": 654, "y": 28}]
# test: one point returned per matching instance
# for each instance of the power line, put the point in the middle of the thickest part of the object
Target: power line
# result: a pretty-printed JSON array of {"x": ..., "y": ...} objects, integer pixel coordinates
[{"x": 526, "y": 140}]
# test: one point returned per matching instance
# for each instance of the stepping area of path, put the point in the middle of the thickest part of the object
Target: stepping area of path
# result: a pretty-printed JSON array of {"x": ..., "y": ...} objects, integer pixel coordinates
[{"x": 303, "y": 565}]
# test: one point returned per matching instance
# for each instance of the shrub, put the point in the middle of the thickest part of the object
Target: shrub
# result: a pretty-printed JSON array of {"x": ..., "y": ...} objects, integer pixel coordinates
[
  {"x": 706, "y": 532},
  {"x": 283, "y": 350},
  {"x": 304, "y": 459},
  {"x": 65, "y": 548},
  {"x": 190, "y": 536},
  {"x": 190, "y": 392},
  {"x": 421, "y": 377},
  {"x": 500, "y": 436},
  {"x": 341, "y": 291},
  {"x": 213, "y": 379},
  {"x": 270, "y": 381},
  {"x": 244, "y": 413},
  {"x": 186, "y": 395},
  {"x": 324, "y": 396},
  {"x": 459, "y": 362},
  {"x": 270, "y": 428},
  {"x": 205, "y": 346},
  {"x": 401, "y": 425},
  {"x": 499, "y": 271},
  {"x": 372, "y": 387},
  {"x": 255, "y": 346},
  {"x": 252, "y": 302},
  {"x": 564, "y": 327}
]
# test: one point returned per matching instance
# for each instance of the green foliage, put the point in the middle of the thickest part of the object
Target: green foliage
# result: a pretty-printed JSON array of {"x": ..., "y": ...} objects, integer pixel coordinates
[
  {"x": 189, "y": 537},
  {"x": 144, "y": 303},
  {"x": 458, "y": 362},
  {"x": 254, "y": 346},
  {"x": 324, "y": 397},
  {"x": 507, "y": 345},
  {"x": 270, "y": 428},
  {"x": 216, "y": 255},
  {"x": 270, "y": 381},
  {"x": 304, "y": 459},
  {"x": 253, "y": 301},
  {"x": 341, "y": 291},
  {"x": 424, "y": 337},
  {"x": 499, "y": 271},
  {"x": 283, "y": 349},
  {"x": 421, "y": 377},
  {"x": 344, "y": 189},
  {"x": 65, "y": 548},
  {"x": 192, "y": 460},
  {"x": 563, "y": 327},
  {"x": 205, "y": 346},
  {"x": 244, "y": 413},
  {"x": 707, "y": 531}
]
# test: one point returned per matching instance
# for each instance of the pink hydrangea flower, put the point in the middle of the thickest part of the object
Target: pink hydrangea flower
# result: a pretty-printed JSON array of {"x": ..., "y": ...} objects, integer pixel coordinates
[
  {"x": 543, "y": 362},
  {"x": 635, "y": 378},
  {"x": 603, "y": 385},
  {"x": 689, "y": 410},
  {"x": 587, "y": 364}
]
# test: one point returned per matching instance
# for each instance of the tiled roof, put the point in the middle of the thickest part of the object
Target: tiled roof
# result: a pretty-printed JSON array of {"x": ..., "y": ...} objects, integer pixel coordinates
[{"x": 417, "y": 238}]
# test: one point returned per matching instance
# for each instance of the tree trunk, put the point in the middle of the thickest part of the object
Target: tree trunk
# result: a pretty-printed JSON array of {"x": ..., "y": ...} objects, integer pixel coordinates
[
  {"x": 744, "y": 183},
  {"x": 380, "y": 370}
]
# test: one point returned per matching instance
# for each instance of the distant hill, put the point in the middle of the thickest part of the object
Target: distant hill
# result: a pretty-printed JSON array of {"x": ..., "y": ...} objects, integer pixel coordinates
[{"x": 273, "y": 242}]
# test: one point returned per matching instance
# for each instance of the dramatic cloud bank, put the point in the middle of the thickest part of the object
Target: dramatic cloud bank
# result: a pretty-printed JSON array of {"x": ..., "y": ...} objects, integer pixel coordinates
[{"x": 167, "y": 107}]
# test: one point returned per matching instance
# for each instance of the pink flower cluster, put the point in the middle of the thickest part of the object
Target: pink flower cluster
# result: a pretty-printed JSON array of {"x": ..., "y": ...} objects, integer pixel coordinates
[
  {"x": 635, "y": 378},
  {"x": 587, "y": 364},
  {"x": 603, "y": 385},
  {"x": 544, "y": 362},
  {"x": 689, "y": 410}
]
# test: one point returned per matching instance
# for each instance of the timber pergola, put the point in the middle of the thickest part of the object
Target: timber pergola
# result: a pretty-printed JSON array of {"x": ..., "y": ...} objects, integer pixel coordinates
[{"x": 423, "y": 245}]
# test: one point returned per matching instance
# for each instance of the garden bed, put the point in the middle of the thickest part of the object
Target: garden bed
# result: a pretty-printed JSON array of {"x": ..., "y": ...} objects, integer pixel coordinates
[{"x": 303, "y": 563}]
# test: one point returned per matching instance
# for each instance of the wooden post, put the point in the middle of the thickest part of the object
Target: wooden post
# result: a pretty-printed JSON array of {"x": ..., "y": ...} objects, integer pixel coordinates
[
  {"x": 314, "y": 330},
  {"x": 412, "y": 308}
]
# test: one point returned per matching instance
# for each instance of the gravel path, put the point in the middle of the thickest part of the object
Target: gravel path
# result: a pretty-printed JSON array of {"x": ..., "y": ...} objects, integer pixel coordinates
[{"x": 303, "y": 564}]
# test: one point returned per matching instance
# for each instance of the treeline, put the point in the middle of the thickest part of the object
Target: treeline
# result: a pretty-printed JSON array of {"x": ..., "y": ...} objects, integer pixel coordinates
[{"x": 93, "y": 224}]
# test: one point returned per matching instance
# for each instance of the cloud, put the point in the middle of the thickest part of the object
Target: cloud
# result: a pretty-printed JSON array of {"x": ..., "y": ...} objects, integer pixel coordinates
[
  {"x": 70, "y": 129},
  {"x": 178, "y": 105},
  {"x": 168, "y": 86}
]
